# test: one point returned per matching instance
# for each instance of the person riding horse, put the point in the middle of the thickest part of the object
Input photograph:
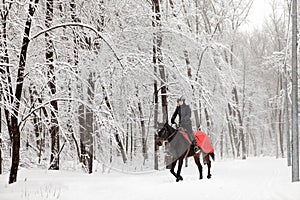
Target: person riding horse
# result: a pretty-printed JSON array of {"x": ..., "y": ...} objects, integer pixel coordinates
[{"x": 184, "y": 112}]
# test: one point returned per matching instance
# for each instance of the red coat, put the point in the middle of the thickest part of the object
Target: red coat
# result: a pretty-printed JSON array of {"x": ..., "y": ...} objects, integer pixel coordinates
[{"x": 203, "y": 142}]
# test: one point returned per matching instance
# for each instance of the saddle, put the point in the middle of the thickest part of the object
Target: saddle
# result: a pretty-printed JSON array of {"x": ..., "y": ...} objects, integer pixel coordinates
[{"x": 185, "y": 135}]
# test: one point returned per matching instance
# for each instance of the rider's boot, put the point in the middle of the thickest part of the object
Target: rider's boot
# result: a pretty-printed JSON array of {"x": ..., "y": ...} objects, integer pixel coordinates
[{"x": 196, "y": 148}]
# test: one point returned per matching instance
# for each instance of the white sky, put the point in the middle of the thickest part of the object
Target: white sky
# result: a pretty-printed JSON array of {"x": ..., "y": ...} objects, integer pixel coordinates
[{"x": 260, "y": 10}]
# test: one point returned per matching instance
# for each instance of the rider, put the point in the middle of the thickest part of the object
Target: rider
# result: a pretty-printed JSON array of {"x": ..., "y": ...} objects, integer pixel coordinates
[{"x": 184, "y": 112}]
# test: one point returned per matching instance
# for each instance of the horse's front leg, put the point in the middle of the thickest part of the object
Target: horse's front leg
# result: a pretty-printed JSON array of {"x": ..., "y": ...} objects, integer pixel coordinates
[
  {"x": 172, "y": 168},
  {"x": 180, "y": 163}
]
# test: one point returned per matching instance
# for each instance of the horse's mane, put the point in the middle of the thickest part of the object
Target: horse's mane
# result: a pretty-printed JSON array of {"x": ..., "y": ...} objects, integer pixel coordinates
[{"x": 170, "y": 128}]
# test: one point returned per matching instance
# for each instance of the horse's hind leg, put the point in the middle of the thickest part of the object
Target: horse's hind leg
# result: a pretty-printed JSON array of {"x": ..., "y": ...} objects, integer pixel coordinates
[
  {"x": 208, "y": 162},
  {"x": 197, "y": 161}
]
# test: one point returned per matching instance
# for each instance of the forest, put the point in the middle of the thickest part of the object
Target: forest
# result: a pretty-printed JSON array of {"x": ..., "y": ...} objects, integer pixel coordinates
[{"x": 84, "y": 84}]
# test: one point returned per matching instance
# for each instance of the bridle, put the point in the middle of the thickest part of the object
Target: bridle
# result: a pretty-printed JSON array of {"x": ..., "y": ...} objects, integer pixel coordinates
[{"x": 170, "y": 136}]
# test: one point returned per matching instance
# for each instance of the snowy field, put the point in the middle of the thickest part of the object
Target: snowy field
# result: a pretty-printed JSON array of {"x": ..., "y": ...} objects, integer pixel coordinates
[{"x": 253, "y": 179}]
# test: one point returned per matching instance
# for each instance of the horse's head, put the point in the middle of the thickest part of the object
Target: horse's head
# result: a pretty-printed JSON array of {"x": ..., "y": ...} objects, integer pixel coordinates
[{"x": 163, "y": 133}]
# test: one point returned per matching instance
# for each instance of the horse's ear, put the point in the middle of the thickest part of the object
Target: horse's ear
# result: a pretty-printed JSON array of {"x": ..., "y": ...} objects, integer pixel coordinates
[{"x": 160, "y": 125}]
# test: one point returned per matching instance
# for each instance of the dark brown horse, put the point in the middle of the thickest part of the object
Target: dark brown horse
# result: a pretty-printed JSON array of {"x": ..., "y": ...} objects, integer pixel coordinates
[{"x": 180, "y": 148}]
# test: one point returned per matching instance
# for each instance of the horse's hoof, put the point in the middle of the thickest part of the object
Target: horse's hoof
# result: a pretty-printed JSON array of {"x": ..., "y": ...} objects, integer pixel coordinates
[
  {"x": 179, "y": 179},
  {"x": 209, "y": 176}
]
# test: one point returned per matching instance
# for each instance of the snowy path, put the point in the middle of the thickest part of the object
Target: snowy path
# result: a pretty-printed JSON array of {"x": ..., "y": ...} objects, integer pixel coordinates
[{"x": 253, "y": 179}]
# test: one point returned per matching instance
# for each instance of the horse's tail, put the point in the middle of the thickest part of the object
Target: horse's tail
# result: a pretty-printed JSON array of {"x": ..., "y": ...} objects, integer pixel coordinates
[{"x": 212, "y": 155}]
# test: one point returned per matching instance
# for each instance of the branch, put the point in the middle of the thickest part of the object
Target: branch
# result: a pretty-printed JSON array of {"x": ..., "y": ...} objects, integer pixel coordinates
[{"x": 83, "y": 26}]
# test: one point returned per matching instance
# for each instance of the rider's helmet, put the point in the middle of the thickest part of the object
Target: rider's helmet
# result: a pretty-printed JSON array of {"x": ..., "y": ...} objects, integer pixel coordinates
[{"x": 182, "y": 98}]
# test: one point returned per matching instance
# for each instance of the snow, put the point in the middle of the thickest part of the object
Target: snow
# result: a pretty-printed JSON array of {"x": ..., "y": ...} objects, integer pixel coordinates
[{"x": 255, "y": 178}]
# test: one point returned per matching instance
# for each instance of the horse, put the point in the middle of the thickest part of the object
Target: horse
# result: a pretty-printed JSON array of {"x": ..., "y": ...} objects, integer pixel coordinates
[{"x": 180, "y": 148}]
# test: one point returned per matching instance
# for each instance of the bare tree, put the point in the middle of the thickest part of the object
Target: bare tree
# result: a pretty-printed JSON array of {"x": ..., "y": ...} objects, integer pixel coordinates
[
  {"x": 54, "y": 128},
  {"x": 1, "y": 159},
  {"x": 295, "y": 132},
  {"x": 13, "y": 123},
  {"x": 4, "y": 68},
  {"x": 157, "y": 59}
]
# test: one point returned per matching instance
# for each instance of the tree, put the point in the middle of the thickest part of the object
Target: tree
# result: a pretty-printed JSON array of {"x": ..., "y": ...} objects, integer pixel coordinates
[
  {"x": 295, "y": 132},
  {"x": 155, "y": 23},
  {"x": 4, "y": 67},
  {"x": 54, "y": 129},
  {"x": 87, "y": 140},
  {"x": 13, "y": 122}
]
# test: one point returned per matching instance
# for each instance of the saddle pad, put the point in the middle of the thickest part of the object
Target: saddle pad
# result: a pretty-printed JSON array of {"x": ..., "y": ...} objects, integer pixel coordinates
[
  {"x": 203, "y": 142},
  {"x": 185, "y": 135}
]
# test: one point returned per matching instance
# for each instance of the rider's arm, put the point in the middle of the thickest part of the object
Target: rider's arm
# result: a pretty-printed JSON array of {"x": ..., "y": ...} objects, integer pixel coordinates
[{"x": 174, "y": 115}]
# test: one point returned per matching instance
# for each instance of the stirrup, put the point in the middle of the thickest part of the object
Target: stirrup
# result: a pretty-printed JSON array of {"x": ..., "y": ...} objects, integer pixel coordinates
[{"x": 197, "y": 149}]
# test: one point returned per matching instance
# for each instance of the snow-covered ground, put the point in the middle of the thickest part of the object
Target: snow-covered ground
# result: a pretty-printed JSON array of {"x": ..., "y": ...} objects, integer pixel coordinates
[{"x": 252, "y": 179}]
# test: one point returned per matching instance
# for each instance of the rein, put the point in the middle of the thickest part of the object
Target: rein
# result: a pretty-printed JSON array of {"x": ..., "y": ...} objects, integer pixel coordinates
[{"x": 171, "y": 135}]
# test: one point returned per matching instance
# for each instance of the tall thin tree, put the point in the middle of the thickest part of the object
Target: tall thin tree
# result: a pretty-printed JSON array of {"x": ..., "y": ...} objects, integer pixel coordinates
[
  {"x": 14, "y": 125},
  {"x": 54, "y": 129},
  {"x": 295, "y": 139},
  {"x": 155, "y": 20}
]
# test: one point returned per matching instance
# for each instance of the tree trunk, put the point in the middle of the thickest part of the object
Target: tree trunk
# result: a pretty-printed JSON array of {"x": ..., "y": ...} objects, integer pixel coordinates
[
  {"x": 280, "y": 116},
  {"x": 85, "y": 118},
  {"x": 81, "y": 114},
  {"x": 86, "y": 122},
  {"x": 155, "y": 97},
  {"x": 280, "y": 133},
  {"x": 240, "y": 121},
  {"x": 208, "y": 123},
  {"x": 81, "y": 120},
  {"x": 230, "y": 129},
  {"x": 127, "y": 137},
  {"x": 193, "y": 103},
  {"x": 132, "y": 149},
  {"x": 286, "y": 117},
  {"x": 14, "y": 126},
  {"x": 116, "y": 134},
  {"x": 155, "y": 117},
  {"x": 4, "y": 61},
  {"x": 15, "y": 149},
  {"x": 54, "y": 129},
  {"x": 36, "y": 124},
  {"x": 1, "y": 135},
  {"x": 4, "y": 64},
  {"x": 144, "y": 139},
  {"x": 222, "y": 144},
  {"x": 159, "y": 62},
  {"x": 295, "y": 132},
  {"x": 89, "y": 145}
]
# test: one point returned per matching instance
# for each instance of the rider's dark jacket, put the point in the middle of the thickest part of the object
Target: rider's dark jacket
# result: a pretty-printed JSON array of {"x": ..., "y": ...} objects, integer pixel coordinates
[{"x": 184, "y": 112}]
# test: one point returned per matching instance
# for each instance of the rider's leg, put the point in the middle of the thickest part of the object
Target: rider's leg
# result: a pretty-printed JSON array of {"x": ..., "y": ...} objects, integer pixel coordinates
[
  {"x": 194, "y": 143},
  {"x": 196, "y": 148}
]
